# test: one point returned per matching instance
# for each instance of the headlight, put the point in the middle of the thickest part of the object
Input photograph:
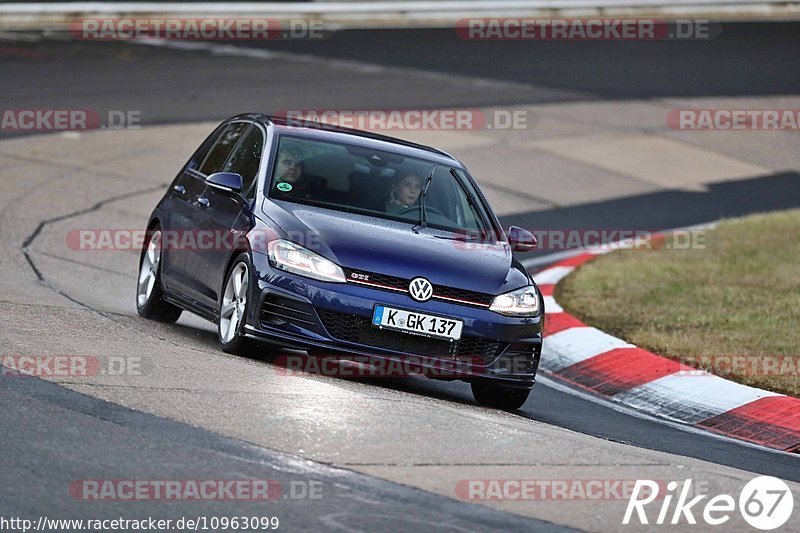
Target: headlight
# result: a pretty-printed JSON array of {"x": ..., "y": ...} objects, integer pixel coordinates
[
  {"x": 521, "y": 302},
  {"x": 292, "y": 257}
]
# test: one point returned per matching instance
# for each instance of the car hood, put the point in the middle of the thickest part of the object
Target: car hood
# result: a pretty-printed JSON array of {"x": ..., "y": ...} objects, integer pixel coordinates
[{"x": 391, "y": 248}]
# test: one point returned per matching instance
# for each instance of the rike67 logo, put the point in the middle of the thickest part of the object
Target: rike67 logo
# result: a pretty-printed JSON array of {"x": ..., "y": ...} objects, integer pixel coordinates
[{"x": 765, "y": 503}]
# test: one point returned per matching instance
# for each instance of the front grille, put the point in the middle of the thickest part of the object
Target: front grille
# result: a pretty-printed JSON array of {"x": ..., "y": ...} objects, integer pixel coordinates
[
  {"x": 351, "y": 328},
  {"x": 462, "y": 294},
  {"x": 441, "y": 292},
  {"x": 279, "y": 311}
]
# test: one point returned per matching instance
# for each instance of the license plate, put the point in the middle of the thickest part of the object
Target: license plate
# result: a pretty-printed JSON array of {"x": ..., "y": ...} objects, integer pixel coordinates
[{"x": 417, "y": 323}]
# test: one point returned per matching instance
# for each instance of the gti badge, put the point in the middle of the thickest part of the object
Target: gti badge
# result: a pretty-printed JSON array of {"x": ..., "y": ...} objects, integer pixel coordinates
[{"x": 420, "y": 289}]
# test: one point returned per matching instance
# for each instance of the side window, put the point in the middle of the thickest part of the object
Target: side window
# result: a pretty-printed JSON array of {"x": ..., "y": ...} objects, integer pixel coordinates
[
  {"x": 246, "y": 158},
  {"x": 201, "y": 153},
  {"x": 222, "y": 147}
]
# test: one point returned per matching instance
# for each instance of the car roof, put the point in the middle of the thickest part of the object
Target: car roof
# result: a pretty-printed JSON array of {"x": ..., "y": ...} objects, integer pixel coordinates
[{"x": 328, "y": 132}]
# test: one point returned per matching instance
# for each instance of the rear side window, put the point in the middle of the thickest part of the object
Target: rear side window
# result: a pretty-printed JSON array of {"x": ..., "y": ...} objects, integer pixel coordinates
[
  {"x": 246, "y": 158},
  {"x": 222, "y": 147},
  {"x": 201, "y": 153}
]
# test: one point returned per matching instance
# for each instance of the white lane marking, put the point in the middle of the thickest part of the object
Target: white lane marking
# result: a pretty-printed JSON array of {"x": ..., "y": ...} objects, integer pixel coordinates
[
  {"x": 56, "y": 35},
  {"x": 547, "y": 381},
  {"x": 690, "y": 398},
  {"x": 348, "y": 65},
  {"x": 18, "y": 36},
  {"x": 574, "y": 345},
  {"x": 553, "y": 275}
]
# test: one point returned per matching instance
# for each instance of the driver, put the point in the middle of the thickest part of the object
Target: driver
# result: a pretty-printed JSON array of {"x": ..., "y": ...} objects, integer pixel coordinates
[
  {"x": 290, "y": 179},
  {"x": 289, "y": 166},
  {"x": 404, "y": 193}
]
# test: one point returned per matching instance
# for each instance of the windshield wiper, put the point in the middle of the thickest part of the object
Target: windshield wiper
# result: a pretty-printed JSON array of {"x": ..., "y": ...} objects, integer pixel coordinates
[
  {"x": 472, "y": 202},
  {"x": 422, "y": 219}
]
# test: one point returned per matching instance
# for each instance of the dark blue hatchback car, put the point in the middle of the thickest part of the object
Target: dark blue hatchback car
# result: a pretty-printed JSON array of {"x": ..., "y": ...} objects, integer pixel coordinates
[{"x": 338, "y": 241}]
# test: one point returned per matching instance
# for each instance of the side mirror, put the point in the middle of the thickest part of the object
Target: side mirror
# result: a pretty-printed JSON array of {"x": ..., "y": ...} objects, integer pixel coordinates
[
  {"x": 227, "y": 181},
  {"x": 521, "y": 240}
]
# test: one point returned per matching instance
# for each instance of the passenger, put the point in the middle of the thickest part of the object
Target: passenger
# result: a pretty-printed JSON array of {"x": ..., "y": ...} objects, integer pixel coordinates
[{"x": 404, "y": 193}]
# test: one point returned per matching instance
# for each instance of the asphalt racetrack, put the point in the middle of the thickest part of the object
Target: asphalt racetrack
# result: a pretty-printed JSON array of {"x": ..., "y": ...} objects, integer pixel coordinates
[{"x": 385, "y": 454}]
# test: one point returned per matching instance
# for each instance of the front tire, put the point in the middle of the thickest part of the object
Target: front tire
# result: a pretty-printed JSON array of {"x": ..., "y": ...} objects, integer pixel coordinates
[
  {"x": 499, "y": 396},
  {"x": 149, "y": 297},
  {"x": 233, "y": 306}
]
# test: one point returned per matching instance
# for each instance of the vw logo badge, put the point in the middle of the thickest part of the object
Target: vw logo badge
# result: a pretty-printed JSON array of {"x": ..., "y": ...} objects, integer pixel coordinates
[{"x": 420, "y": 289}]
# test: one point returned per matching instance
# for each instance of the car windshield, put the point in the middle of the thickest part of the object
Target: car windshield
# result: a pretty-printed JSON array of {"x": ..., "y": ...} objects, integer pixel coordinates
[{"x": 386, "y": 185}]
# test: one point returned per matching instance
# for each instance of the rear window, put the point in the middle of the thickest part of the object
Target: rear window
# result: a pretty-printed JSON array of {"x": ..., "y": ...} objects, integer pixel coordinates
[{"x": 376, "y": 183}]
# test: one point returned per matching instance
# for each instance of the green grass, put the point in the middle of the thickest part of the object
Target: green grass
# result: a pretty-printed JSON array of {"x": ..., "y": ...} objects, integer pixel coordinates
[{"x": 739, "y": 296}]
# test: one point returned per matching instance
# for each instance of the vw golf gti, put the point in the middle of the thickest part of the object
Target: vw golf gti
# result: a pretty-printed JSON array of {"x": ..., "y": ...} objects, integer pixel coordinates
[{"x": 337, "y": 241}]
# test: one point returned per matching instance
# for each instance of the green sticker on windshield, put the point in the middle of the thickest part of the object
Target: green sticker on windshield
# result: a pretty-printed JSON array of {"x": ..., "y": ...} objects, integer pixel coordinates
[{"x": 284, "y": 187}]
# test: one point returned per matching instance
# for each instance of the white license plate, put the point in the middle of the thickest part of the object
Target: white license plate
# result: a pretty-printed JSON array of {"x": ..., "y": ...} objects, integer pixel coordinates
[{"x": 417, "y": 323}]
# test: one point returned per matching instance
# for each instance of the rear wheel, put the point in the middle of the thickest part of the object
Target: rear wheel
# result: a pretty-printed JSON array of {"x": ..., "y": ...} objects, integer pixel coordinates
[
  {"x": 499, "y": 396},
  {"x": 149, "y": 298}
]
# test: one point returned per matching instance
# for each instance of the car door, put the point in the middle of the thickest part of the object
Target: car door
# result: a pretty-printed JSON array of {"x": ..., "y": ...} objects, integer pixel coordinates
[
  {"x": 227, "y": 215},
  {"x": 191, "y": 239},
  {"x": 177, "y": 213}
]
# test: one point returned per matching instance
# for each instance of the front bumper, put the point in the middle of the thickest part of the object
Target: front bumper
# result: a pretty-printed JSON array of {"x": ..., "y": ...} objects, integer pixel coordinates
[{"x": 335, "y": 318}]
